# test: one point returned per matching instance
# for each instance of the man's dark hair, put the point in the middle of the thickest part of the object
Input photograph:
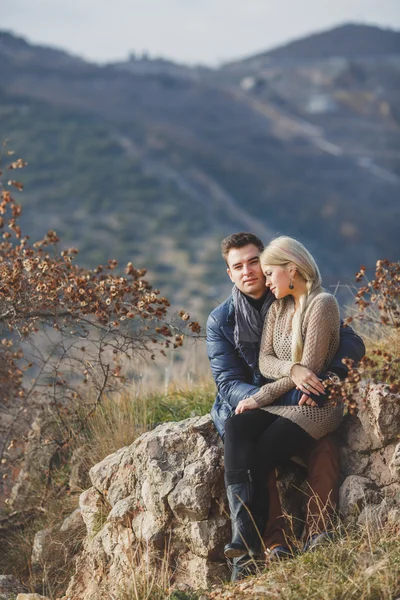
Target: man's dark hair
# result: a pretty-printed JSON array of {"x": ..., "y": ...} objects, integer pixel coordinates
[{"x": 239, "y": 240}]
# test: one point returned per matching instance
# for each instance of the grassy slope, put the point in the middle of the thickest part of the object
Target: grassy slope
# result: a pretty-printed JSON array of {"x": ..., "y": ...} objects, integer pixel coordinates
[{"x": 363, "y": 564}]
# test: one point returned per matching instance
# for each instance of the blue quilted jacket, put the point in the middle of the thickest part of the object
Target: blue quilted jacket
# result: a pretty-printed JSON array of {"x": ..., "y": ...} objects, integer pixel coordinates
[{"x": 235, "y": 370}]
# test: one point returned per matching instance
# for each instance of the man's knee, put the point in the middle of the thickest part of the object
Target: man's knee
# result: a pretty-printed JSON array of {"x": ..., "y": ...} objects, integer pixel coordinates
[{"x": 238, "y": 428}]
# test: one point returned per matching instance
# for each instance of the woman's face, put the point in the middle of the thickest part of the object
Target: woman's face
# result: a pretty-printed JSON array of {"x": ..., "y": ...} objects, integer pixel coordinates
[{"x": 278, "y": 280}]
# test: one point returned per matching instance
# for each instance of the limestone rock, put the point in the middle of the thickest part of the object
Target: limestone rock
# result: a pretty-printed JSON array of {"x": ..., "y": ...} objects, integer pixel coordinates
[
  {"x": 31, "y": 597},
  {"x": 164, "y": 491},
  {"x": 357, "y": 432},
  {"x": 384, "y": 413},
  {"x": 368, "y": 440},
  {"x": 190, "y": 500},
  {"x": 74, "y": 523},
  {"x": 353, "y": 463},
  {"x": 115, "y": 468},
  {"x": 394, "y": 464},
  {"x": 355, "y": 493},
  {"x": 9, "y": 587},
  {"x": 123, "y": 511},
  {"x": 43, "y": 547},
  {"x": 379, "y": 467},
  {"x": 93, "y": 510}
]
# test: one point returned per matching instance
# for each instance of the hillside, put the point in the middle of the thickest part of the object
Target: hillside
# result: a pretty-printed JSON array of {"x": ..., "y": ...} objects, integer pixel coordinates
[{"x": 156, "y": 163}]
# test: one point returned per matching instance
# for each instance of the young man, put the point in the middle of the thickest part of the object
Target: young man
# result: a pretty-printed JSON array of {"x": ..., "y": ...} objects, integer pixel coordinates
[{"x": 234, "y": 331}]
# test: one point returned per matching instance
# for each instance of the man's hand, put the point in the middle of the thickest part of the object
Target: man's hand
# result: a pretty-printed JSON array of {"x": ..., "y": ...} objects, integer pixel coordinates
[
  {"x": 306, "y": 380},
  {"x": 247, "y": 404},
  {"x": 307, "y": 400}
]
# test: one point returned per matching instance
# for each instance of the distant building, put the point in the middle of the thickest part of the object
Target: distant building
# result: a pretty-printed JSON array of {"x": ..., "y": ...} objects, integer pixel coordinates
[{"x": 320, "y": 104}]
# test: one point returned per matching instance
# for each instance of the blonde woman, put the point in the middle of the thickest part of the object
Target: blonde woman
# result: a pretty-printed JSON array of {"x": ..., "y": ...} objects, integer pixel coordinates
[{"x": 300, "y": 338}]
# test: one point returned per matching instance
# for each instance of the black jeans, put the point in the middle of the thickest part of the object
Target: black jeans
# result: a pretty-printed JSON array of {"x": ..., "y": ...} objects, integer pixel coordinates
[{"x": 258, "y": 441}]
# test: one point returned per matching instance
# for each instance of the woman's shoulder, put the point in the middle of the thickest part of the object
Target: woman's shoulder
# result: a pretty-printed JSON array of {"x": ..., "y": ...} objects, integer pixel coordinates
[{"x": 325, "y": 301}]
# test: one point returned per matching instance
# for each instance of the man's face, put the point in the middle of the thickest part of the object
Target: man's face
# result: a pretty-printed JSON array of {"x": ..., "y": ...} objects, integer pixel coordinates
[{"x": 245, "y": 271}]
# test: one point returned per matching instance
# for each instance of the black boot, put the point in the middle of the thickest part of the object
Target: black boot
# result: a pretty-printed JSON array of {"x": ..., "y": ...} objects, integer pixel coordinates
[
  {"x": 242, "y": 567},
  {"x": 240, "y": 492},
  {"x": 260, "y": 510}
]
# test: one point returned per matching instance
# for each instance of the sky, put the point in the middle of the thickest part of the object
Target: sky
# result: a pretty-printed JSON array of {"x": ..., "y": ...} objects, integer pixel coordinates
[{"x": 189, "y": 31}]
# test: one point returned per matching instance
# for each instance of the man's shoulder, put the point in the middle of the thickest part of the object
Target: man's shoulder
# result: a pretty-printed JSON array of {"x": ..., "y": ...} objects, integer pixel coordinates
[{"x": 221, "y": 312}]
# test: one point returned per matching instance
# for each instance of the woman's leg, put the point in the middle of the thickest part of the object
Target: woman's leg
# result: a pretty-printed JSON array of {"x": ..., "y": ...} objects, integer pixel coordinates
[
  {"x": 241, "y": 469},
  {"x": 282, "y": 440}
]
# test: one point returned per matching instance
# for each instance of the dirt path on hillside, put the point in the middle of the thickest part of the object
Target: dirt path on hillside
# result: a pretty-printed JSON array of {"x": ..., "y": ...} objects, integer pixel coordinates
[
  {"x": 201, "y": 188},
  {"x": 287, "y": 126}
]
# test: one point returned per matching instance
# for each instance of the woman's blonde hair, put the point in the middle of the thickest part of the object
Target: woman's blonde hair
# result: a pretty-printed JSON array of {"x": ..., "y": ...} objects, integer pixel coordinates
[{"x": 285, "y": 251}]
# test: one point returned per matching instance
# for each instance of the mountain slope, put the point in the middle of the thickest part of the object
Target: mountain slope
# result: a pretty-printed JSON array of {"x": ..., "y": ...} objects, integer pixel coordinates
[
  {"x": 157, "y": 168},
  {"x": 351, "y": 40}
]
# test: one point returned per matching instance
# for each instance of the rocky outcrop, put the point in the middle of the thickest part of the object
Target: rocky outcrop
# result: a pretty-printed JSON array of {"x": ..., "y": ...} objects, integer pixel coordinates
[
  {"x": 160, "y": 503},
  {"x": 162, "y": 500},
  {"x": 370, "y": 451}
]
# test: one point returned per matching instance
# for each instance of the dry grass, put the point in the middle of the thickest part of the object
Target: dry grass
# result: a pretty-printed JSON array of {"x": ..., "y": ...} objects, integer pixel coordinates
[
  {"x": 363, "y": 564},
  {"x": 122, "y": 418},
  {"x": 53, "y": 574},
  {"x": 151, "y": 575},
  {"x": 117, "y": 422}
]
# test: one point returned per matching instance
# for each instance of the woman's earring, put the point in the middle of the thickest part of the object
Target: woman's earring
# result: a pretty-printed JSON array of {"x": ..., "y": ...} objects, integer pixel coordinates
[{"x": 291, "y": 286}]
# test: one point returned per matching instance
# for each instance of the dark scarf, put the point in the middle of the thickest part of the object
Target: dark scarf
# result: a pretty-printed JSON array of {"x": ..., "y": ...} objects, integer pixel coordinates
[{"x": 249, "y": 324}]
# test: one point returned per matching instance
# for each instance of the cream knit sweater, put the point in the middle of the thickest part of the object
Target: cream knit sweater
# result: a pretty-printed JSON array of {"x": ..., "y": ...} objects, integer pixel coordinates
[{"x": 320, "y": 330}]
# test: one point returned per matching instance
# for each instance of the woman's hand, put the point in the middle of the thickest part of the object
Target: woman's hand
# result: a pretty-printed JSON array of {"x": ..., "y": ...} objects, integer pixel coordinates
[
  {"x": 247, "y": 404},
  {"x": 306, "y": 381}
]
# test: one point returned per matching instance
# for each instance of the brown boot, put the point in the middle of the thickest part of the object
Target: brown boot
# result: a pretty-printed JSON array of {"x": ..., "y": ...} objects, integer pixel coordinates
[
  {"x": 274, "y": 534},
  {"x": 322, "y": 461}
]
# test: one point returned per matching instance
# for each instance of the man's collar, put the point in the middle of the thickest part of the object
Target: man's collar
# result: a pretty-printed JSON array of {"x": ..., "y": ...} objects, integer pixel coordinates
[
  {"x": 231, "y": 312},
  {"x": 256, "y": 302}
]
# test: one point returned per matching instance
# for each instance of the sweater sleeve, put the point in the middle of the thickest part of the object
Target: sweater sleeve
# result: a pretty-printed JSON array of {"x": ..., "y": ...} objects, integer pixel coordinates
[
  {"x": 270, "y": 365},
  {"x": 322, "y": 332},
  {"x": 322, "y": 323}
]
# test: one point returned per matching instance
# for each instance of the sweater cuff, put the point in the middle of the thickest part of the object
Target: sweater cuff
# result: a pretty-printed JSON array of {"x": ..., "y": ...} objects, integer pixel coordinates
[{"x": 261, "y": 399}]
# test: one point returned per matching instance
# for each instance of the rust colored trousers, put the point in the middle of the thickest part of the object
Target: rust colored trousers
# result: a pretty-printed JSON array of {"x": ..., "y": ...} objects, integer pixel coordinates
[{"x": 322, "y": 461}]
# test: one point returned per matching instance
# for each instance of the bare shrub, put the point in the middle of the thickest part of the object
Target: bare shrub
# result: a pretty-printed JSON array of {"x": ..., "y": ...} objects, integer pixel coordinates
[
  {"x": 377, "y": 314},
  {"x": 67, "y": 332}
]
